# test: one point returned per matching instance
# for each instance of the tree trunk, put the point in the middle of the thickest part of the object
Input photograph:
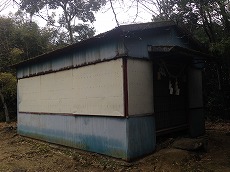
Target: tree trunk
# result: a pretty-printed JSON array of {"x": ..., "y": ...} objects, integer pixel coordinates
[
  {"x": 63, "y": 5},
  {"x": 206, "y": 24},
  {"x": 225, "y": 16},
  {"x": 69, "y": 28},
  {"x": 5, "y": 107}
]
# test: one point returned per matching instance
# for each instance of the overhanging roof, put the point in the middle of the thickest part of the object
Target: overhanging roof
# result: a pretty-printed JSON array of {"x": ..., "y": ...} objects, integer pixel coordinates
[
  {"x": 119, "y": 31},
  {"x": 179, "y": 55},
  {"x": 168, "y": 50}
]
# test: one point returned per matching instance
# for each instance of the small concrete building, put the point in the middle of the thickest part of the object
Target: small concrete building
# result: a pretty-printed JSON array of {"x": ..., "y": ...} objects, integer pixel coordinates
[{"x": 113, "y": 93}]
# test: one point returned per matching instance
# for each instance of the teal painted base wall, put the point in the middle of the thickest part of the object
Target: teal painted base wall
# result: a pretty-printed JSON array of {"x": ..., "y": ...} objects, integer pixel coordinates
[
  {"x": 125, "y": 138},
  {"x": 141, "y": 136}
]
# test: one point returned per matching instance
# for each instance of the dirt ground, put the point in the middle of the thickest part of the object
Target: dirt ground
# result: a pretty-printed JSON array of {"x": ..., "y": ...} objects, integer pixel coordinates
[{"x": 21, "y": 154}]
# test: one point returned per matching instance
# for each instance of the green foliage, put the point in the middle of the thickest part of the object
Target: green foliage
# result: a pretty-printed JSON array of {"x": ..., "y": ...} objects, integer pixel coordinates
[
  {"x": 221, "y": 48},
  {"x": 8, "y": 87},
  {"x": 211, "y": 16},
  {"x": 6, "y": 42},
  {"x": 31, "y": 40},
  {"x": 84, "y": 31},
  {"x": 209, "y": 21},
  {"x": 71, "y": 10},
  {"x": 21, "y": 39}
]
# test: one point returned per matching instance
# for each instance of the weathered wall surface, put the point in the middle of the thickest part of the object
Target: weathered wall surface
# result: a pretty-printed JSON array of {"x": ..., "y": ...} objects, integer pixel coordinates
[
  {"x": 126, "y": 138},
  {"x": 106, "y": 135},
  {"x": 90, "y": 90},
  {"x": 140, "y": 87},
  {"x": 141, "y": 136},
  {"x": 136, "y": 44},
  {"x": 75, "y": 58}
]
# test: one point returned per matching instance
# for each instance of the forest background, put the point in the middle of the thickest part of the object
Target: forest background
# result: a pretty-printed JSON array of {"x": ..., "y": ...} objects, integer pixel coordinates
[{"x": 70, "y": 21}]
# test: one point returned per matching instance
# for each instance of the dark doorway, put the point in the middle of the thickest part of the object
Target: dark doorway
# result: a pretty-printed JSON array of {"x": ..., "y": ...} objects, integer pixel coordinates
[{"x": 170, "y": 94}]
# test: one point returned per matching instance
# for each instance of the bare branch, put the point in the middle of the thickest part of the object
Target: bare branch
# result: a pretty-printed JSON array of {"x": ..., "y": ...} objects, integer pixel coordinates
[
  {"x": 5, "y": 5},
  {"x": 148, "y": 8},
  {"x": 115, "y": 15},
  {"x": 137, "y": 11}
]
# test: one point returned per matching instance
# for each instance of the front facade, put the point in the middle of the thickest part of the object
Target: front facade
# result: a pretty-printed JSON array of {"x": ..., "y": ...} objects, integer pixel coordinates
[{"x": 111, "y": 94}]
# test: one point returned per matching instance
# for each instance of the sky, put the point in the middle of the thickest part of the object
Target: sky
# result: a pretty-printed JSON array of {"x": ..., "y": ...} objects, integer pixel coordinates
[{"x": 105, "y": 19}]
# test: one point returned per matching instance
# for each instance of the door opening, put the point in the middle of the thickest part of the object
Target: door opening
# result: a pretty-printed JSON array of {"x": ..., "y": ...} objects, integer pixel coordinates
[{"x": 170, "y": 95}]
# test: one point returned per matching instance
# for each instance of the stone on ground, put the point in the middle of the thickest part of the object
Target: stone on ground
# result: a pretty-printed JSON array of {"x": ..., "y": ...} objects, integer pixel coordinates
[{"x": 191, "y": 144}]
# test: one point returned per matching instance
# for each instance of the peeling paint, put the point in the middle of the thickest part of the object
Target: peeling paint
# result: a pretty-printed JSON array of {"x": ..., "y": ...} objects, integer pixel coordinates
[{"x": 104, "y": 135}]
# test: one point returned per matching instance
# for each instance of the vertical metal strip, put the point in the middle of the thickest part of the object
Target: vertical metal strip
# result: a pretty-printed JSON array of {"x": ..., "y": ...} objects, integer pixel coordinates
[{"x": 125, "y": 86}]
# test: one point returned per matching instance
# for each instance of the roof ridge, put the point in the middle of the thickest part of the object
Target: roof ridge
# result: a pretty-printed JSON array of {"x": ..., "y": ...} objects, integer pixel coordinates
[{"x": 113, "y": 33}]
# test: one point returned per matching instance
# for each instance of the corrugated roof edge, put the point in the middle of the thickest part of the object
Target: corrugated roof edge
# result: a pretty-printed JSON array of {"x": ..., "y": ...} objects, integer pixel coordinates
[
  {"x": 109, "y": 34},
  {"x": 67, "y": 48}
]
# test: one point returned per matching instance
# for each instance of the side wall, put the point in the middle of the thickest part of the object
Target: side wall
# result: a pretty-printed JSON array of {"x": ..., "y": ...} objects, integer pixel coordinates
[
  {"x": 141, "y": 136},
  {"x": 90, "y": 90},
  {"x": 140, "y": 87},
  {"x": 126, "y": 138},
  {"x": 141, "y": 132},
  {"x": 136, "y": 44},
  {"x": 84, "y": 108},
  {"x": 105, "y": 135}
]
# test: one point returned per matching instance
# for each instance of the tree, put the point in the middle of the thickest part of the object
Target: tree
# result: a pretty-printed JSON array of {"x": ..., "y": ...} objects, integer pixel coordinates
[
  {"x": 72, "y": 10},
  {"x": 32, "y": 40},
  {"x": 7, "y": 32},
  {"x": 21, "y": 39},
  {"x": 8, "y": 92}
]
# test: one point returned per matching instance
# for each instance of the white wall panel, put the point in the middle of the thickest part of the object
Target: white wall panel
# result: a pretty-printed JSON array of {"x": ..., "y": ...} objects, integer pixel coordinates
[
  {"x": 90, "y": 90},
  {"x": 140, "y": 87}
]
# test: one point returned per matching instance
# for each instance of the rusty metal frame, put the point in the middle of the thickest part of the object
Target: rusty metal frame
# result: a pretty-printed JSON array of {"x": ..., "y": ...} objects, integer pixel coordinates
[
  {"x": 67, "y": 114},
  {"x": 125, "y": 87}
]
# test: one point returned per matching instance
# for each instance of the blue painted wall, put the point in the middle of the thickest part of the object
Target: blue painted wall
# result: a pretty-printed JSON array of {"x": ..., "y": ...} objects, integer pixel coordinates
[
  {"x": 133, "y": 44},
  {"x": 136, "y": 43},
  {"x": 77, "y": 57},
  {"x": 126, "y": 138},
  {"x": 141, "y": 136}
]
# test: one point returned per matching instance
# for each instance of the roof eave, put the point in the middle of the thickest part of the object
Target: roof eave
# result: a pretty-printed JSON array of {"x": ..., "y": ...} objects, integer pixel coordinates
[{"x": 178, "y": 49}]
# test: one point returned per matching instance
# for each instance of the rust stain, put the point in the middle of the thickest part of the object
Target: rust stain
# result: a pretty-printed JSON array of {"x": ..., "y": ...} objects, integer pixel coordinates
[
  {"x": 125, "y": 86},
  {"x": 71, "y": 67}
]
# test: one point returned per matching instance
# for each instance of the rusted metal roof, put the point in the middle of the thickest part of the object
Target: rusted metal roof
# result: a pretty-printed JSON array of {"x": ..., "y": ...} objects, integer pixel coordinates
[{"x": 120, "y": 31}]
